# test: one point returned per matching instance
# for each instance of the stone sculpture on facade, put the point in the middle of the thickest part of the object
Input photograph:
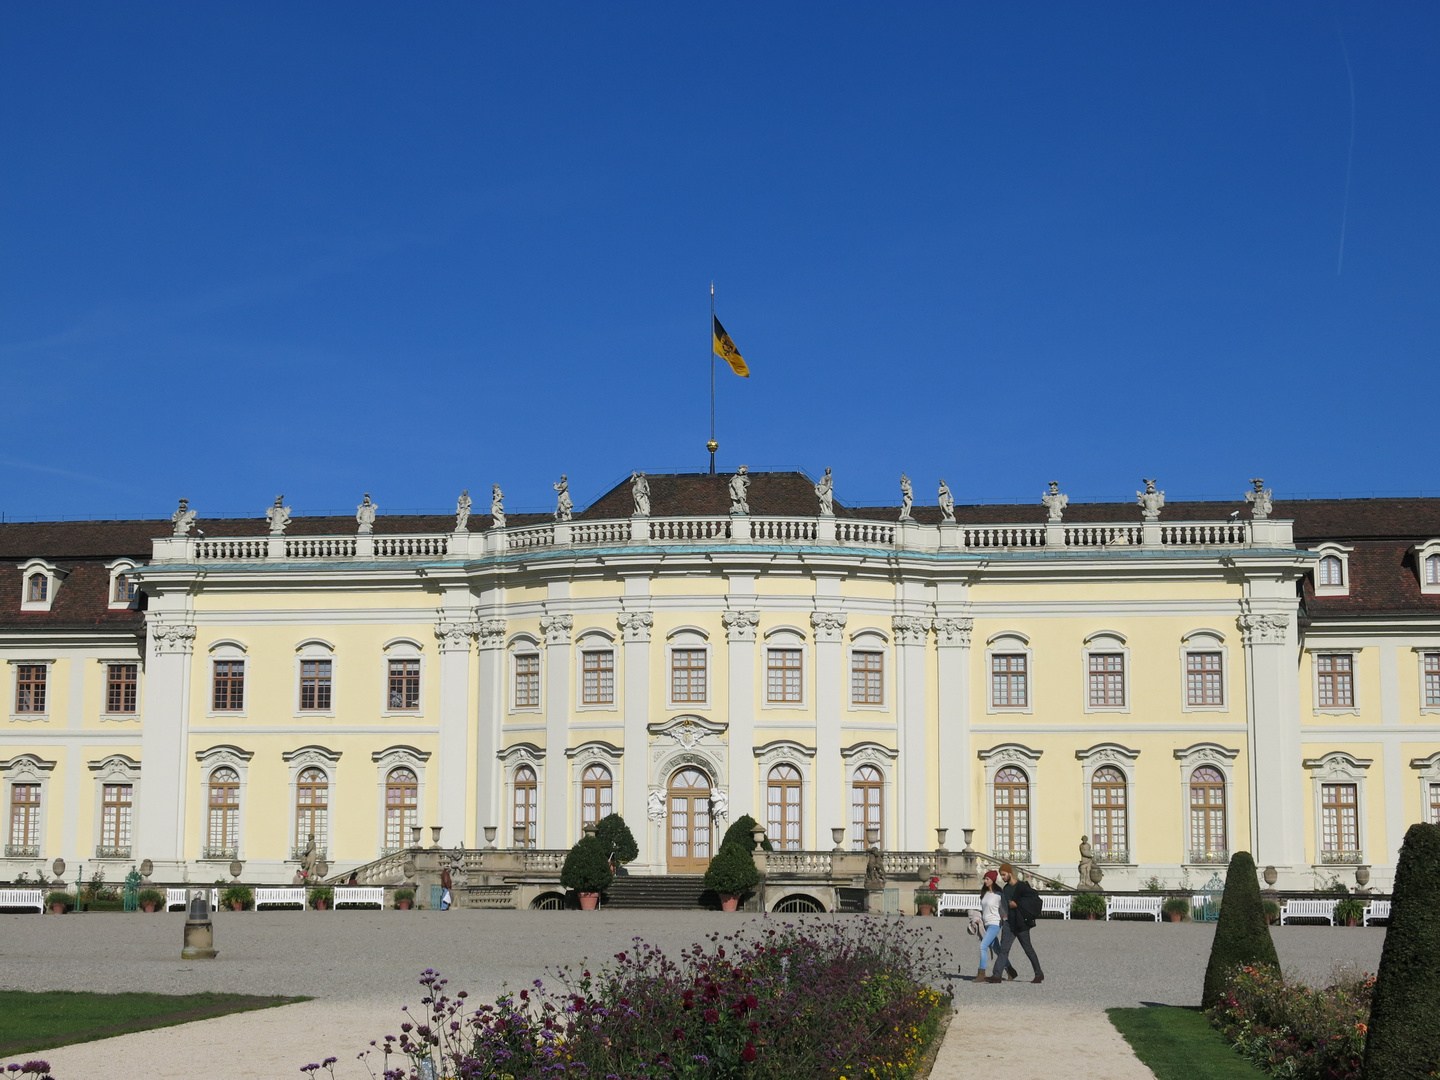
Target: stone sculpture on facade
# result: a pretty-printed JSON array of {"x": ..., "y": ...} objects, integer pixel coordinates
[
  {"x": 874, "y": 869},
  {"x": 1259, "y": 500},
  {"x": 1150, "y": 500},
  {"x": 1054, "y": 502},
  {"x": 365, "y": 515},
  {"x": 907, "y": 497},
  {"x": 947, "y": 502},
  {"x": 655, "y": 805},
  {"x": 563, "y": 505},
  {"x": 309, "y": 858},
  {"x": 497, "y": 507},
  {"x": 740, "y": 491},
  {"x": 640, "y": 489},
  {"x": 278, "y": 516},
  {"x": 720, "y": 805},
  {"x": 1090, "y": 872},
  {"x": 462, "y": 512},
  {"x": 183, "y": 518},
  {"x": 825, "y": 492}
]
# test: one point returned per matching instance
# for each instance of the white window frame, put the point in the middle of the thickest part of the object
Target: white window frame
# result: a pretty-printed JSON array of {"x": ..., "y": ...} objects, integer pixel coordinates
[
  {"x": 590, "y": 641},
  {"x": 401, "y": 648},
  {"x": 1428, "y": 550},
  {"x": 397, "y": 757},
  {"x": 883, "y": 758},
  {"x": 115, "y": 769},
  {"x": 226, "y": 649},
  {"x": 511, "y": 758},
  {"x": 120, "y": 717},
  {"x": 594, "y": 752},
  {"x": 1105, "y": 641},
  {"x": 1422, "y": 651},
  {"x": 224, "y": 756},
  {"x": 689, "y": 638},
  {"x": 27, "y": 769},
  {"x": 783, "y": 639},
  {"x": 1092, "y": 760},
  {"x": 1019, "y": 756},
  {"x": 1204, "y": 640},
  {"x": 1222, "y": 759},
  {"x": 1014, "y": 643},
  {"x": 1353, "y": 709},
  {"x": 1341, "y": 552},
  {"x": 868, "y": 640},
  {"x": 328, "y": 762},
  {"x": 528, "y": 645},
  {"x": 1428, "y": 770},
  {"x": 320, "y": 649},
  {"x": 1338, "y": 767},
  {"x": 116, "y": 569},
  {"x": 53, "y": 578},
  {"x": 15, "y": 715},
  {"x": 802, "y": 759}
]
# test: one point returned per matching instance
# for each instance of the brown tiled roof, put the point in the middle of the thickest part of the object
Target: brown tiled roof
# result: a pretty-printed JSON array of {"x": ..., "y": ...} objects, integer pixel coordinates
[
  {"x": 1383, "y": 581},
  {"x": 82, "y": 601}
]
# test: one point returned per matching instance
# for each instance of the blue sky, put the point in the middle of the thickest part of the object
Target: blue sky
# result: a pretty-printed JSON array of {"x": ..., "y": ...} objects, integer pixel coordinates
[{"x": 322, "y": 249}]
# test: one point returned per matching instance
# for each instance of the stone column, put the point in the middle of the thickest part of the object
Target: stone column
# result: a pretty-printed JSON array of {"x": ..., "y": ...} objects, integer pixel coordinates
[
  {"x": 164, "y": 742},
  {"x": 635, "y": 630},
  {"x": 952, "y": 696},
  {"x": 555, "y": 826},
  {"x": 740, "y": 634},
  {"x": 490, "y": 717},
  {"x": 453, "y": 745},
  {"x": 912, "y": 765},
  {"x": 830, "y": 687},
  {"x": 1273, "y": 715}
]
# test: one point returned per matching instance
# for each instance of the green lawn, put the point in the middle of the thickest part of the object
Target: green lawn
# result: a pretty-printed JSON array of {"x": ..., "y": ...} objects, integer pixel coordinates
[
  {"x": 40, "y": 1021},
  {"x": 1180, "y": 1044}
]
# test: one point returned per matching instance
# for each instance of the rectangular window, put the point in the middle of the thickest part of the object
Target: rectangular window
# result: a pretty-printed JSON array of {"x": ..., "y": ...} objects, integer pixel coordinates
[
  {"x": 121, "y": 681},
  {"x": 1009, "y": 681},
  {"x": 116, "y": 803},
  {"x": 598, "y": 671},
  {"x": 315, "y": 684},
  {"x": 1432, "y": 680},
  {"x": 1107, "y": 680},
  {"x": 124, "y": 588},
  {"x": 24, "y": 820},
  {"x": 229, "y": 685},
  {"x": 1435, "y": 804},
  {"x": 403, "y": 691},
  {"x": 1335, "y": 680},
  {"x": 867, "y": 673},
  {"x": 527, "y": 680},
  {"x": 687, "y": 675},
  {"x": 1339, "y": 819},
  {"x": 1204, "y": 682},
  {"x": 782, "y": 676},
  {"x": 30, "y": 688}
]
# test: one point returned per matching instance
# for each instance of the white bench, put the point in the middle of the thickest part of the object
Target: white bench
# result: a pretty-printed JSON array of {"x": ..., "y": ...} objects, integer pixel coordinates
[
  {"x": 176, "y": 898},
  {"x": 1376, "y": 909},
  {"x": 1056, "y": 902},
  {"x": 360, "y": 894},
  {"x": 1133, "y": 905},
  {"x": 959, "y": 901},
  {"x": 279, "y": 897},
  {"x": 29, "y": 898},
  {"x": 1309, "y": 909}
]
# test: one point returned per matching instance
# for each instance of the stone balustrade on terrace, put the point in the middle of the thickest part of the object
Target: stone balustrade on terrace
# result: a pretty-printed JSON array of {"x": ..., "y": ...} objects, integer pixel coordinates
[{"x": 799, "y": 532}]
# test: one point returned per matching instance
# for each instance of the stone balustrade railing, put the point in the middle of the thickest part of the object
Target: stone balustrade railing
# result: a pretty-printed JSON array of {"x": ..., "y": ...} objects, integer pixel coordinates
[{"x": 739, "y": 529}]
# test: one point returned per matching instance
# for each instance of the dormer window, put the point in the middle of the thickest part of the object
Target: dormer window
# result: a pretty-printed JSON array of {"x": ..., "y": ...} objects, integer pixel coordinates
[
  {"x": 1332, "y": 571},
  {"x": 37, "y": 590},
  {"x": 1427, "y": 562},
  {"x": 39, "y": 582},
  {"x": 124, "y": 589},
  {"x": 1432, "y": 570}
]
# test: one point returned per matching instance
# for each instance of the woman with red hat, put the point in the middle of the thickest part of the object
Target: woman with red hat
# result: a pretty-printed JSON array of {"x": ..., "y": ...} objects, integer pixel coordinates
[{"x": 990, "y": 901}]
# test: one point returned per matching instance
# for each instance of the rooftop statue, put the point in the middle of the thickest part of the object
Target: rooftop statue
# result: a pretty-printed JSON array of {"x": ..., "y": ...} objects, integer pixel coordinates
[
  {"x": 278, "y": 516},
  {"x": 947, "y": 501},
  {"x": 184, "y": 518},
  {"x": 1150, "y": 501},
  {"x": 640, "y": 489},
  {"x": 825, "y": 492},
  {"x": 497, "y": 507},
  {"x": 1054, "y": 502},
  {"x": 462, "y": 511},
  {"x": 1259, "y": 500},
  {"x": 563, "y": 505},
  {"x": 907, "y": 498},
  {"x": 365, "y": 514},
  {"x": 740, "y": 491}
]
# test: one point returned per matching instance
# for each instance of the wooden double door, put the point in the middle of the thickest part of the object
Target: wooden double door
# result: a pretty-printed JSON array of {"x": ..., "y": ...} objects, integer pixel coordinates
[{"x": 690, "y": 829}]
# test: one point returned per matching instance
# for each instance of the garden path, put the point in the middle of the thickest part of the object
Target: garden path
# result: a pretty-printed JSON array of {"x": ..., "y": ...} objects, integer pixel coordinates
[{"x": 1034, "y": 1042}]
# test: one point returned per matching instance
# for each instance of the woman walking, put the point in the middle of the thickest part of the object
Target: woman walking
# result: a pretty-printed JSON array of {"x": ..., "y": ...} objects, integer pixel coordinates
[{"x": 989, "y": 929}]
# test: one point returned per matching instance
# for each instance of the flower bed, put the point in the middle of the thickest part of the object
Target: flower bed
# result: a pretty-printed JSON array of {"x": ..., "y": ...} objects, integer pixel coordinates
[
  {"x": 1290, "y": 1030},
  {"x": 860, "y": 1000}
]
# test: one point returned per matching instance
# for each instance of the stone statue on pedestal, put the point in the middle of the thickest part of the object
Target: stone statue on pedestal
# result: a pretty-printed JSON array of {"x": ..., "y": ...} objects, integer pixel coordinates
[
  {"x": 497, "y": 507},
  {"x": 1054, "y": 502},
  {"x": 874, "y": 869},
  {"x": 947, "y": 502},
  {"x": 825, "y": 492},
  {"x": 1259, "y": 500},
  {"x": 907, "y": 498},
  {"x": 278, "y": 516},
  {"x": 309, "y": 858},
  {"x": 365, "y": 515},
  {"x": 183, "y": 518},
  {"x": 563, "y": 505},
  {"x": 1090, "y": 872},
  {"x": 740, "y": 491},
  {"x": 462, "y": 511},
  {"x": 640, "y": 489},
  {"x": 1150, "y": 501}
]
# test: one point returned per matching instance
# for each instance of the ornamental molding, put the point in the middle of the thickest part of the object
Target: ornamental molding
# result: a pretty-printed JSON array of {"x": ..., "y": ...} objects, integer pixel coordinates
[
  {"x": 655, "y": 804},
  {"x": 556, "y": 628},
  {"x": 910, "y": 629},
  {"x": 27, "y": 767},
  {"x": 740, "y": 625},
  {"x": 1263, "y": 629},
  {"x": 687, "y": 731},
  {"x": 635, "y": 625},
  {"x": 491, "y": 633},
  {"x": 1108, "y": 753},
  {"x": 1338, "y": 765},
  {"x": 400, "y": 755},
  {"x": 177, "y": 638},
  {"x": 1206, "y": 753},
  {"x": 664, "y": 764},
  {"x": 225, "y": 754},
  {"x": 953, "y": 631},
  {"x": 115, "y": 767},
  {"x": 312, "y": 757},
  {"x": 828, "y": 625},
  {"x": 870, "y": 753},
  {"x": 1429, "y": 767},
  {"x": 524, "y": 753},
  {"x": 1010, "y": 754},
  {"x": 779, "y": 751},
  {"x": 597, "y": 750},
  {"x": 455, "y": 636}
]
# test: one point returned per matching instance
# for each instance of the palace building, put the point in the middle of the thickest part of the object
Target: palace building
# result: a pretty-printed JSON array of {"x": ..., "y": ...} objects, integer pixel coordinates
[{"x": 1175, "y": 681}]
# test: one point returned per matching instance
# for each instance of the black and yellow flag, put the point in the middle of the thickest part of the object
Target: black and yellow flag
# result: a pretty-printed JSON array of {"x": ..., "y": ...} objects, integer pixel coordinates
[{"x": 725, "y": 349}]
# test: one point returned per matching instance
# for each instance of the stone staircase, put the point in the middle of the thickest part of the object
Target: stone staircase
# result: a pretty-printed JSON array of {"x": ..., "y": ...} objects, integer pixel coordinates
[{"x": 675, "y": 892}]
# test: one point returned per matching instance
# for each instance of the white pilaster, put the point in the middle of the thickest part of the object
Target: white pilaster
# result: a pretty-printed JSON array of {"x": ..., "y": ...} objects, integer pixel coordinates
[
  {"x": 452, "y": 766},
  {"x": 911, "y": 635},
  {"x": 1273, "y": 717},
  {"x": 740, "y": 634},
  {"x": 555, "y": 826},
  {"x": 952, "y": 693},
  {"x": 1394, "y": 761},
  {"x": 164, "y": 741},
  {"x": 830, "y": 686},
  {"x": 635, "y": 629},
  {"x": 490, "y": 709}
]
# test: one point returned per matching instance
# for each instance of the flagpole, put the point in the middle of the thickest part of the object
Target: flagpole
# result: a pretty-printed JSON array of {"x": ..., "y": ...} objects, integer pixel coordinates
[{"x": 712, "y": 445}]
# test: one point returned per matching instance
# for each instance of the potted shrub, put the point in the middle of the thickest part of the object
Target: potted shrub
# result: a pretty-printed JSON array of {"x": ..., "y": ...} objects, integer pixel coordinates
[
  {"x": 321, "y": 897},
  {"x": 615, "y": 836},
  {"x": 150, "y": 899},
  {"x": 1087, "y": 905},
  {"x": 587, "y": 871},
  {"x": 238, "y": 898},
  {"x": 732, "y": 874},
  {"x": 1175, "y": 908},
  {"x": 742, "y": 832},
  {"x": 59, "y": 902},
  {"x": 1349, "y": 912},
  {"x": 404, "y": 898},
  {"x": 1272, "y": 911},
  {"x": 926, "y": 901}
]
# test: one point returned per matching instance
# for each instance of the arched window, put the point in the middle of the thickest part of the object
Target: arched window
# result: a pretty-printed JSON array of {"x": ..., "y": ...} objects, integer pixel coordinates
[
  {"x": 312, "y": 810},
  {"x": 402, "y": 807},
  {"x": 1207, "y": 815},
  {"x": 526, "y": 803},
  {"x": 222, "y": 835},
  {"x": 1331, "y": 571},
  {"x": 39, "y": 588},
  {"x": 1107, "y": 815},
  {"x": 25, "y": 819},
  {"x": 116, "y": 802},
  {"x": 1339, "y": 823},
  {"x": 688, "y": 798},
  {"x": 597, "y": 794},
  {"x": 866, "y": 788},
  {"x": 1012, "y": 815},
  {"x": 783, "y": 799}
]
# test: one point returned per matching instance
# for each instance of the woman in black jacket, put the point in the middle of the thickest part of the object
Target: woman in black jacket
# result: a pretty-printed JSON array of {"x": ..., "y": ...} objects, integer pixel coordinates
[{"x": 1022, "y": 908}]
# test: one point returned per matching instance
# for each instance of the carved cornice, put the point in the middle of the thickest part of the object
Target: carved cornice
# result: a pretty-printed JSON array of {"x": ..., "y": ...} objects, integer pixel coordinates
[
  {"x": 740, "y": 625},
  {"x": 173, "y": 637},
  {"x": 828, "y": 625},
  {"x": 910, "y": 629},
  {"x": 492, "y": 633},
  {"x": 556, "y": 628},
  {"x": 1263, "y": 629},
  {"x": 455, "y": 636},
  {"x": 635, "y": 625},
  {"x": 953, "y": 631}
]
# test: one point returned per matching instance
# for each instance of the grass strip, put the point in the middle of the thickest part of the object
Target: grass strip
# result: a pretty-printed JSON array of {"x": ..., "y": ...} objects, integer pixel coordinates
[
  {"x": 1180, "y": 1044},
  {"x": 43, "y": 1020}
]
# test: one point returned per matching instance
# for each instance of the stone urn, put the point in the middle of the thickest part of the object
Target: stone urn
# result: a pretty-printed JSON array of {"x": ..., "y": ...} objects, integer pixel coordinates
[
  {"x": 729, "y": 902},
  {"x": 1271, "y": 876},
  {"x": 589, "y": 901}
]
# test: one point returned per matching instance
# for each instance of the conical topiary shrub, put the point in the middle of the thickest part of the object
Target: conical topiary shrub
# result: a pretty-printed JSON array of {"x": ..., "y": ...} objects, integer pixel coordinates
[
  {"x": 1242, "y": 936},
  {"x": 1404, "y": 1037},
  {"x": 616, "y": 838},
  {"x": 732, "y": 872},
  {"x": 587, "y": 867},
  {"x": 742, "y": 833}
]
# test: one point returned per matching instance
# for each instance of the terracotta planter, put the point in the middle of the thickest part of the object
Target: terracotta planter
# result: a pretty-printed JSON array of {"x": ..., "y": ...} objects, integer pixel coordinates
[
  {"x": 57, "y": 909},
  {"x": 1176, "y": 916},
  {"x": 1352, "y": 922},
  {"x": 321, "y": 905},
  {"x": 589, "y": 901},
  {"x": 729, "y": 902},
  {"x": 149, "y": 908},
  {"x": 925, "y": 909},
  {"x": 1092, "y": 917},
  {"x": 237, "y": 905},
  {"x": 403, "y": 905}
]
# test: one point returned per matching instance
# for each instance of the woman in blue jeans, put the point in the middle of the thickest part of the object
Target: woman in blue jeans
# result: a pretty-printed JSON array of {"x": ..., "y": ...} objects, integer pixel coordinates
[{"x": 990, "y": 902}]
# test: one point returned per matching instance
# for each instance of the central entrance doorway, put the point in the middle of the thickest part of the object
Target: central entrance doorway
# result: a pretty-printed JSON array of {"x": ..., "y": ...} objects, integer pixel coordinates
[{"x": 689, "y": 822}]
